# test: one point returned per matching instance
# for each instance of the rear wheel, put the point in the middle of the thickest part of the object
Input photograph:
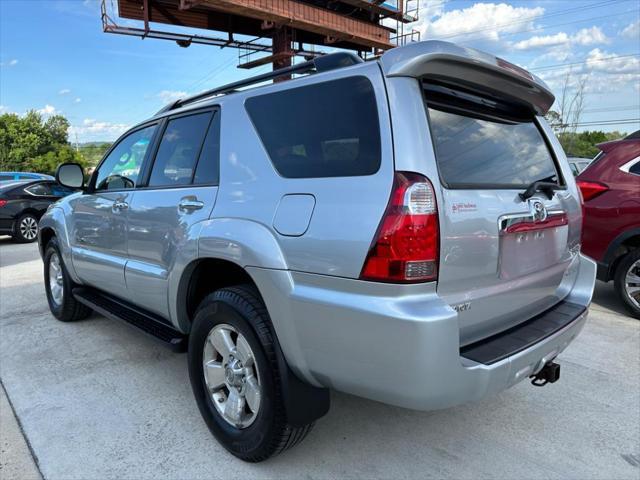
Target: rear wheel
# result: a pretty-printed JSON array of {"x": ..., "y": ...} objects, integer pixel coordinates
[
  {"x": 26, "y": 228},
  {"x": 235, "y": 378},
  {"x": 58, "y": 286},
  {"x": 627, "y": 281}
]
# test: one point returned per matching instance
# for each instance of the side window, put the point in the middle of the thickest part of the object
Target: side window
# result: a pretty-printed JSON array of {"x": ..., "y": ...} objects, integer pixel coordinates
[
  {"x": 120, "y": 169},
  {"x": 179, "y": 150},
  {"x": 635, "y": 168},
  {"x": 6, "y": 177},
  {"x": 207, "y": 171},
  {"x": 40, "y": 189},
  {"x": 328, "y": 129}
]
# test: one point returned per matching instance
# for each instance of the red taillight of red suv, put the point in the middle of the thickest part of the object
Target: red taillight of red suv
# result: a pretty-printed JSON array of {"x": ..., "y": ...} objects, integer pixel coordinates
[
  {"x": 405, "y": 249},
  {"x": 591, "y": 190}
]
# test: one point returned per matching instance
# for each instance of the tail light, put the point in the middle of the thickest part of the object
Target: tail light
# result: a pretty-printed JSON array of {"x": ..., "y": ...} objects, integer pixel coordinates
[
  {"x": 591, "y": 190},
  {"x": 2, "y": 203},
  {"x": 405, "y": 248}
]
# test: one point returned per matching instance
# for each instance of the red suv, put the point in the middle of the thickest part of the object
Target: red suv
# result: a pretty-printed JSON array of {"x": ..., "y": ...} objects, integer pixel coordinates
[{"x": 610, "y": 187}]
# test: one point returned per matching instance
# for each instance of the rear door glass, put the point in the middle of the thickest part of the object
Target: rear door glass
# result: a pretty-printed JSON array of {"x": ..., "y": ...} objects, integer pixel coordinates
[{"x": 475, "y": 152}]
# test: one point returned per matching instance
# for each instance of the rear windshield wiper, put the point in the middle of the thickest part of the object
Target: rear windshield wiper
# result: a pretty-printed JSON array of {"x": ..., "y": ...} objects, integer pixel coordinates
[{"x": 540, "y": 186}]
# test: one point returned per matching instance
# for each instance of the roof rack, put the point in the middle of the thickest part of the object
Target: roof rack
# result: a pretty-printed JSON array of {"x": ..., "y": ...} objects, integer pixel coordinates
[{"x": 322, "y": 63}]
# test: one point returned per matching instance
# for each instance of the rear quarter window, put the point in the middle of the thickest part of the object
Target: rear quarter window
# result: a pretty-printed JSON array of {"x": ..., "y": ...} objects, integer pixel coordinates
[{"x": 328, "y": 129}]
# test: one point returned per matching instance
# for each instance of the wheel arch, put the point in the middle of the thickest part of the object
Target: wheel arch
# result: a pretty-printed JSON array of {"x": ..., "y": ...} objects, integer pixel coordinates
[
  {"x": 45, "y": 234},
  {"x": 202, "y": 276},
  {"x": 622, "y": 244}
]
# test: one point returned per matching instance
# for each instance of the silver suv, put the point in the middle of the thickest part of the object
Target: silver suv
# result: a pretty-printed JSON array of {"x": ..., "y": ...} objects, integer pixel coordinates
[{"x": 406, "y": 230}]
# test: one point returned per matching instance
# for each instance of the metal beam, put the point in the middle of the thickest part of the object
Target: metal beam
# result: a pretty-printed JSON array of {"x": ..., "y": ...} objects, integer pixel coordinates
[
  {"x": 379, "y": 8},
  {"x": 306, "y": 17}
]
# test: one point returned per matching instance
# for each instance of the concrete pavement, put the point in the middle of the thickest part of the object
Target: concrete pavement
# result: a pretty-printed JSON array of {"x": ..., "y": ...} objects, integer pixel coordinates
[{"x": 97, "y": 399}]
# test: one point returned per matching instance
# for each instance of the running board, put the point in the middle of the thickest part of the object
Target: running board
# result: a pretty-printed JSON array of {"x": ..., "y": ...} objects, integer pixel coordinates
[{"x": 117, "y": 309}]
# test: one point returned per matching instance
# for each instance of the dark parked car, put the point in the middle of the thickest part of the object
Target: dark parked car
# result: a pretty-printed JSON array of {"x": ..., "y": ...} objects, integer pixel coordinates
[
  {"x": 22, "y": 203},
  {"x": 610, "y": 186},
  {"x": 10, "y": 176}
]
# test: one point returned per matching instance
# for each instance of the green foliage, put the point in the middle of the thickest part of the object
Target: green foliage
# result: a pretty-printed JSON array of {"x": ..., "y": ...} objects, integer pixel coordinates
[
  {"x": 30, "y": 143},
  {"x": 583, "y": 144},
  {"x": 93, "y": 152},
  {"x": 576, "y": 144}
]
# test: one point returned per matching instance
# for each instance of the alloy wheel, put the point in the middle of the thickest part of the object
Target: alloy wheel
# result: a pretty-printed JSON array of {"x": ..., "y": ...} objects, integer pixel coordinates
[
  {"x": 56, "y": 281},
  {"x": 29, "y": 228},
  {"x": 632, "y": 283},
  {"x": 231, "y": 375}
]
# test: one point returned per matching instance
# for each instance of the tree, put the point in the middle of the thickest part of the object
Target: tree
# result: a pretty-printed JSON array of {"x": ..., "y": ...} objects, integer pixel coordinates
[{"x": 30, "y": 143}]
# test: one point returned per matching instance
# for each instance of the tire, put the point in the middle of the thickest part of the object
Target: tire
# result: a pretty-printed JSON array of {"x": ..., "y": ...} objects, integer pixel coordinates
[
  {"x": 265, "y": 433},
  {"x": 25, "y": 229},
  {"x": 626, "y": 272},
  {"x": 62, "y": 303}
]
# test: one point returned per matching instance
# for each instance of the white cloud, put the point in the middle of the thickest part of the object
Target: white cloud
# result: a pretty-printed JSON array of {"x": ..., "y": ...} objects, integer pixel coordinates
[
  {"x": 48, "y": 110},
  {"x": 94, "y": 129},
  {"x": 77, "y": 100},
  {"x": 169, "y": 96},
  {"x": 542, "y": 41},
  {"x": 4, "y": 109},
  {"x": 10, "y": 63},
  {"x": 589, "y": 36},
  {"x": 632, "y": 30},
  {"x": 584, "y": 37},
  {"x": 603, "y": 61},
  {"x": 481, "y": 20},
  {"x": 64, "y": 91},
  {"x": 607, "y": 72}
]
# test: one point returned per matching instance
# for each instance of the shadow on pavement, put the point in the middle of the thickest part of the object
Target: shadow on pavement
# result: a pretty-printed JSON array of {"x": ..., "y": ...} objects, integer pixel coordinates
[{"x": 605, "y": 296}]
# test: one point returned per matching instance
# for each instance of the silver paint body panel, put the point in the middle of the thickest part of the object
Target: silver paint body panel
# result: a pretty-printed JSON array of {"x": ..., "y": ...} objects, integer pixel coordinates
[{"x": 304, "y": 242}]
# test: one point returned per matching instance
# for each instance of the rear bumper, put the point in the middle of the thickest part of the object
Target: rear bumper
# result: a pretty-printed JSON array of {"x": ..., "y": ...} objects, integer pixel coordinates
[{"x": 398, "y": 344}]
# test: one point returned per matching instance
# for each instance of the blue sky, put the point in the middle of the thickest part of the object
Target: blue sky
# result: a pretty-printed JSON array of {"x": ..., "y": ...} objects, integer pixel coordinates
[{"x": 54, "y": 57}]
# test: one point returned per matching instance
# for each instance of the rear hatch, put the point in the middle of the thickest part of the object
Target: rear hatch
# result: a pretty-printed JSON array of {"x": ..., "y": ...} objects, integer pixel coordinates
[{"x": 503, "y": 257}]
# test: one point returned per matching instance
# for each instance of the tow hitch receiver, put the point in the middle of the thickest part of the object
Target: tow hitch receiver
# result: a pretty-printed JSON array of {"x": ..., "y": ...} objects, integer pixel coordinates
[{"x": 550, "y": 373}]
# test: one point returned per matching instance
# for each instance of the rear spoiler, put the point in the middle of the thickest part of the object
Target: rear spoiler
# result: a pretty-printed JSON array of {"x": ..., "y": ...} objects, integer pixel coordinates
[{"x": 470, "y": 68}]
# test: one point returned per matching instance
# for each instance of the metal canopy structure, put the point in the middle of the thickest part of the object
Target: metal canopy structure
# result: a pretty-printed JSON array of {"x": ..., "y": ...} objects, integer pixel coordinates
[{"x": 271, "y": 31}]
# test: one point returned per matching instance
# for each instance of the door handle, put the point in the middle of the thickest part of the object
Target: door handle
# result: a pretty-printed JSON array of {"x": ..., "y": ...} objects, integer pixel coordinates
[
  {"x": 190, "y": 205},
  {"x": 119, "y": 205}
]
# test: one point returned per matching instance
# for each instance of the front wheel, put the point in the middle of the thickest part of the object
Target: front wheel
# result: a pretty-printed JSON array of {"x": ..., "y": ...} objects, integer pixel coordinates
[
  {"x": 627, "y": 281},
  {"x": 235, "y": 378},
  {"x": 58, "y": 286}
]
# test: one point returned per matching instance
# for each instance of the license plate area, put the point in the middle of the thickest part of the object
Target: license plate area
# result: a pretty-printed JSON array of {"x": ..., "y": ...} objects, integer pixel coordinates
[{"x": 526, "y": 252}]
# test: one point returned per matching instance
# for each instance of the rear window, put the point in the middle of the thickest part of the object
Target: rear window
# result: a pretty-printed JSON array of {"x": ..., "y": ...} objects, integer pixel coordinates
[
  {"x": 328, "y": 129},
  {"x": 482, "y": 153}
]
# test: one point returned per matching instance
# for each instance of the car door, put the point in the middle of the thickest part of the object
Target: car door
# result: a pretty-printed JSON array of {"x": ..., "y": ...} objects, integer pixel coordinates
[
  {"x": 179, "y": 192},
  {"x": 97, "y": 225}
]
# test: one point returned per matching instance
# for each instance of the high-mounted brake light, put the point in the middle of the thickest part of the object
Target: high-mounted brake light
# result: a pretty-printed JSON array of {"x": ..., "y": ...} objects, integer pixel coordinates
[
  {"x": 405, "y": 248},
  {"x": 591, "y": 190}
]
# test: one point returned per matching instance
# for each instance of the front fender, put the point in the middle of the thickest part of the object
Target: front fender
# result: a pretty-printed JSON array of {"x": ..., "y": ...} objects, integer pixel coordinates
[{"x": 54, "y": 219}]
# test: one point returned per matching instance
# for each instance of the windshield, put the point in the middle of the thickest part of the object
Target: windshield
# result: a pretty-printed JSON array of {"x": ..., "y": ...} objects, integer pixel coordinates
[{"x": 474, "y": 152}]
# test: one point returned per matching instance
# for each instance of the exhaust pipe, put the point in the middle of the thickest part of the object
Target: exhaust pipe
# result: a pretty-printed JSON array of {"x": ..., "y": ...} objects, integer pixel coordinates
[{"x": 550, "y": 373}]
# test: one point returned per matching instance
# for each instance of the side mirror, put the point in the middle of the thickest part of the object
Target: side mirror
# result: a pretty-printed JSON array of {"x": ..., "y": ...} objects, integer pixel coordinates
[{"x": 70, "y": 175}]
